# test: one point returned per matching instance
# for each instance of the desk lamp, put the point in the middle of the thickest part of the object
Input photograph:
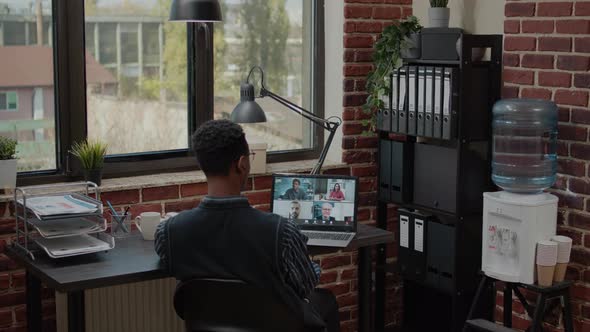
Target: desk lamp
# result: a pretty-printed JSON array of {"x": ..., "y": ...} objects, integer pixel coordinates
[
  {"x": 195, "y": 11},
  {"x": 248, "y": 111}
]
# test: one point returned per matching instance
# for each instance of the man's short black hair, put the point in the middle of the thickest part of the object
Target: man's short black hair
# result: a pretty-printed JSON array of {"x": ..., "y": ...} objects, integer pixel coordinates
[
  {"x": 218, "y": 143},
  {"x": 296, "y": 180}
]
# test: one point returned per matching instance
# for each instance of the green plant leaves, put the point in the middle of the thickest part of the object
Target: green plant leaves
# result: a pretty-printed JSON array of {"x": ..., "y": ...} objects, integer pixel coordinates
[
  {"x": 7, "y": 148},
  {"x": 439, "y": 3},
  {"x": 90, "y": 153}
]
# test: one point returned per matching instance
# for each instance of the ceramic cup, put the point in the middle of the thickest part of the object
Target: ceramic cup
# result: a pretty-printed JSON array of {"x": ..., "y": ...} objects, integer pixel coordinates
[{"x": 147, "y": 222}]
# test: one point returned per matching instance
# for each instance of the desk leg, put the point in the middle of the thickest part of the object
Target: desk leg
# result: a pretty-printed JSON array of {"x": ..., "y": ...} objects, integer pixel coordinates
[
  {"x": 76, "y": 321},
  {"x": 380, "y": 274},
  {"x": 34, "y": 313},
  {"x": 508, "y": 305},
  {"x": 364, "y": 289}
]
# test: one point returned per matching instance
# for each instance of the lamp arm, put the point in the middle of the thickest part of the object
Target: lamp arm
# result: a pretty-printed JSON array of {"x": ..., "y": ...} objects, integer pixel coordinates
[
  {"x": 297, "y": 109},
  {"x": 333, "y": 126}
]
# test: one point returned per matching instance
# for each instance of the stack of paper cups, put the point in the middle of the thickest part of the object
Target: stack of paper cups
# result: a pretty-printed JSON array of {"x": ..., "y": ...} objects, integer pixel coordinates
[
  {"x": 564, "y": 248},
  {"x": 546, "y": 260}
]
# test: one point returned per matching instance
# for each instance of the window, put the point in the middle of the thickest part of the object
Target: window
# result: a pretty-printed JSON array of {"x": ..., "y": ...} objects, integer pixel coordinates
[
  {"x": 27, "y": 101},
  {"x": 126, "y": 75},
  {"x": 8, "y": 101}
]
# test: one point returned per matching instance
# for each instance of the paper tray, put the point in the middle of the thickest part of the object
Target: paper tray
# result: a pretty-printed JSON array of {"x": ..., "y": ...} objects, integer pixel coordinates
[
  {"x": 72, "y": 226},
  {"x": 76, "y": 245}
]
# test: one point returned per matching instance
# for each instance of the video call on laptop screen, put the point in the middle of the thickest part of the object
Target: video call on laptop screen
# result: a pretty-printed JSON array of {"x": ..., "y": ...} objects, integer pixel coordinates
[{"x": 310, "y": 200}]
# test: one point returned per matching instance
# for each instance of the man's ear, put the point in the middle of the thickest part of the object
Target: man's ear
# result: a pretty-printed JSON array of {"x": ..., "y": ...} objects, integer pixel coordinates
[{"x": 243, "y": 164}]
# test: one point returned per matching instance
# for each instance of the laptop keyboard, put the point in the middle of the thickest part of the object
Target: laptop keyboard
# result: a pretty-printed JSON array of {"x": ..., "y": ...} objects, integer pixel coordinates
[{"x": 328, "y": 236}]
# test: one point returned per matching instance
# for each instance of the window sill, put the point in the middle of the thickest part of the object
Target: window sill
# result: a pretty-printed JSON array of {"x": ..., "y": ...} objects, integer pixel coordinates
[{"x": 167, "y": 179}]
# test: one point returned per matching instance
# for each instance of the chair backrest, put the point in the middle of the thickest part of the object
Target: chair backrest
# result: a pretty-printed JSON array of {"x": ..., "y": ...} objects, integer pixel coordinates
[{"x": 221, "y": 305}]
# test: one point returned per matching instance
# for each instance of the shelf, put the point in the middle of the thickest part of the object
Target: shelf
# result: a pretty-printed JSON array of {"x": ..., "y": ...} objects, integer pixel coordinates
[
  {"x": 76, "y": 245},
  {"x": 72, "y": 226}
]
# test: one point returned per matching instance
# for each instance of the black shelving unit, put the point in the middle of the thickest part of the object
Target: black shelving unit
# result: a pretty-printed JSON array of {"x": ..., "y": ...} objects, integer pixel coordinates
[{"x": 439, "y": 182}]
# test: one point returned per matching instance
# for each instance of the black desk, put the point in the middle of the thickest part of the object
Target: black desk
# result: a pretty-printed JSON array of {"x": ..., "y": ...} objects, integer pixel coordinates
[{"x": 134, "y": 260}]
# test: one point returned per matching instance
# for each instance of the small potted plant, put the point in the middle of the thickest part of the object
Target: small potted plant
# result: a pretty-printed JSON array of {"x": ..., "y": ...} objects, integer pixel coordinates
[
  {"x": 91, "y": 155},
  {"x": 7, "y": 163},
  {"x": 439, "y": 14}
]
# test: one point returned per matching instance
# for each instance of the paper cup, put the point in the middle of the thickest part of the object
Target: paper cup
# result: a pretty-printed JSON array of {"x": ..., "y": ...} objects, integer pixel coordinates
[
  {"x": 545, "y": 275},
  {"x": 547, "y": 253},
  {"x": 564, "y": 248},
  {"x": 560, "y": 270}
]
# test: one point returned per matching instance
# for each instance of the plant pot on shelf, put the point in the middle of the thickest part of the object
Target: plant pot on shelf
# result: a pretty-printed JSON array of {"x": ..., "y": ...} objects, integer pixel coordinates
[
  {"x": 439, "y": 17},
  {"x": 413, "y": 46},
  {"x": 93, "y": 175},
  {"x": 7, "y": 174}
]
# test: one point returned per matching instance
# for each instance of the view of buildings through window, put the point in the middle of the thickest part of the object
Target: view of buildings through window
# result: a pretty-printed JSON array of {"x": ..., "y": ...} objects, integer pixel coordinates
[
  {"x": 26, "y": 81},
  {"x": 136, "y": 73}
]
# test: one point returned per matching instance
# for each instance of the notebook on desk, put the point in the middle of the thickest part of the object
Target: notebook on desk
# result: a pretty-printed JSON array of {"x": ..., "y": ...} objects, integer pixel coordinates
[{"x": 324, "y": 207}]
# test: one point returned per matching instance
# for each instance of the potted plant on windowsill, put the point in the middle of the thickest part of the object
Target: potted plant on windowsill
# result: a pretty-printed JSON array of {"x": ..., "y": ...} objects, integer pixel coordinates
[
  {"x": 91, "y": 155},
  {"x": 439, "y": 14},
  {"x": 390, "y": 49},
  {"x": 7, "y": 164}
]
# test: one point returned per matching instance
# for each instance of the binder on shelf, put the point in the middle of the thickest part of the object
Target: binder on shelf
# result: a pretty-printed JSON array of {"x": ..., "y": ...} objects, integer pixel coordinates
[
  {"x": 412, "y": 99},
  {"x": 451, "y": 95},
  {"x": 412, "y": 244},
  {"x": 421, "y": 92},
  {"x": 384, "y": 169},
  {"x": 403, "y": 101},
  {"x": 438, "y": 102},
  {"x": 395, "y": 100},
  {"x": 401, "y": 172},
  {"x": 429, "y": 104},
  {"x": 379, "y": 121}
]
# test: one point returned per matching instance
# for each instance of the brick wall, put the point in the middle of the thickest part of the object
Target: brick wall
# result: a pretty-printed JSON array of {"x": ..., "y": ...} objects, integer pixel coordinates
[
  {"x": 547, "y": 56},
  {"x": 363, "y": 21}
]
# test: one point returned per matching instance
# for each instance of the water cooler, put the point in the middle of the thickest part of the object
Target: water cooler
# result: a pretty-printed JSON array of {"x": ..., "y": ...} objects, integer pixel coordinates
[{"x": 524, "y": 164}]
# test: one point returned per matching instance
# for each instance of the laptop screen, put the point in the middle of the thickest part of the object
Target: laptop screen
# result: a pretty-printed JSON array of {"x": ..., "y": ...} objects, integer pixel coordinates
[{"x": 326, "y": 202}]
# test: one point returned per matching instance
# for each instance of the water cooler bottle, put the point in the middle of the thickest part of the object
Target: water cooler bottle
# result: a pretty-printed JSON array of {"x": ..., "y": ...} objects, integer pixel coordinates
[{"x": 524, "y": 164}]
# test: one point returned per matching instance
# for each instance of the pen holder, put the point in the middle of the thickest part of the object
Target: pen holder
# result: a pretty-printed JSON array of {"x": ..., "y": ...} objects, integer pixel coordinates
[{"x": 121, "y": 225}]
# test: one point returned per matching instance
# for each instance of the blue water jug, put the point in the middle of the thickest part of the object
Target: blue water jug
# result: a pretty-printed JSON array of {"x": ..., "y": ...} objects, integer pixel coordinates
[{"x": 524, "y": 156}]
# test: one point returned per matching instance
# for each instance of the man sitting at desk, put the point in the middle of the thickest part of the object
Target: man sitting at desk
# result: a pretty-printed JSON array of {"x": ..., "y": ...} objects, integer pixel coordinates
[
  {"x": 215, "y": 239},
  {"x": 295, "y": 193}
]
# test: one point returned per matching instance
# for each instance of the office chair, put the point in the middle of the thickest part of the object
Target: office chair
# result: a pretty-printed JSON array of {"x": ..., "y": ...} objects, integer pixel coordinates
[{"x": 221, "y": 305}]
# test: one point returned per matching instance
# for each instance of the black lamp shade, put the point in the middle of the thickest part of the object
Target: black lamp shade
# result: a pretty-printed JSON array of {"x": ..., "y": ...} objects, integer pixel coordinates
[
  {"x": 247, "y": 111},
  {"x": 195, "y": 11}
]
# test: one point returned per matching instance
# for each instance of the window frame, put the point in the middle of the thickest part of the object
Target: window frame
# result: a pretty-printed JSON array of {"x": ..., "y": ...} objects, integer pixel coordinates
[
  {"x": 68, "y": 22},
  {"x": 7, "y": 108}
]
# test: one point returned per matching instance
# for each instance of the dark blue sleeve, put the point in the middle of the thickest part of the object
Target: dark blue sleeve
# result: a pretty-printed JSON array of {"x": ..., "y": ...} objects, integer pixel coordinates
[
  {"x": 297, "y": 270},
  {"x": 162, "y": 243}
]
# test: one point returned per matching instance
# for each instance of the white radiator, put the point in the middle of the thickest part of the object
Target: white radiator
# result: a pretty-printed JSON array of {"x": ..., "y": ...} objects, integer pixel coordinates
[{"x": 138, "y": 307}]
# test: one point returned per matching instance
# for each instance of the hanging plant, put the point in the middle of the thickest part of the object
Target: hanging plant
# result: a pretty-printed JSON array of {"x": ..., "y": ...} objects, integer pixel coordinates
[{"x": 386, "y": 59}]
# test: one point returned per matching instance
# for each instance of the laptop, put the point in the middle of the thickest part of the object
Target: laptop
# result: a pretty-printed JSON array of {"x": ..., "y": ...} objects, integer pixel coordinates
[{"x": 324, "y": 207}]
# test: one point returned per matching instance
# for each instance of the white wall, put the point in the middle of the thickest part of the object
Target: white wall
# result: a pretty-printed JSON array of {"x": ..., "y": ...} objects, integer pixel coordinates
[
  {"x": 475, "y": 16},
  {"x": 334, "y": 53}
]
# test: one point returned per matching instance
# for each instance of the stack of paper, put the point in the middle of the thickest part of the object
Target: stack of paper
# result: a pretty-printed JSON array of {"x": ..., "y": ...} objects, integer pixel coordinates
[
  {"x": 65, "y": 227},
  {"x": 58, "y": 205},
  {"x": 72, "y": 245}
]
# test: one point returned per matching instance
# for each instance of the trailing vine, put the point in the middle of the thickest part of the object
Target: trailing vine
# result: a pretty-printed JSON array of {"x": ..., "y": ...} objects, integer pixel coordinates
[{"x": 386, "y": 59}]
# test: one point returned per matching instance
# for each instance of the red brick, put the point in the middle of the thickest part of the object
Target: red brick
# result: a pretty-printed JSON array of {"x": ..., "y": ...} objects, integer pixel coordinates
[
  {"x": 510, "y": 92},
  {"x": 348, "y": 56},
  {"x": 356, "y": 157},
  {"x": 570, "y": 201},
  {"x": 355, "y": 99},
  {"x": 358, "y": 41},
  {"x": 537, "y": 61},
  {"x": 583, "y": 45},
  {"x": 579, "y": 186},
  {"x": 520, "y": 43},
  {"x": 137, "y": 209},
  {"x": 407, "y": 11},
  {"x": 514, "y": 9},
  {"x": 338, "y": 171},
  {"x": 582, "y": 8},
  {"x": 121, "y": 197},
  {"x": 332, "y": 262},
  {"x": 572, "y": 133},
  {"x": 258, "y": 197},
  {"x": 387, "y": 13},
  {"x": 575, "y": 98},
  {"x": 193, "y": 189},
  {"x": 328, "y": 277},
  {"x": 571, "y": 167},
  {"x": 352, "y": 128},
  {"x": 357, "y": 69},
  {"x": 511, "y": 27},
  {"x": 357, "y": 11},
  {"x": 555, "y": 79},
  {"x": 573, "y": 62},
  {"x": 364, "y": 170},
  {"x": 366, "y": 142},
  {"x": 536, "y": 93},
  {"x": 18, "y": 279},
  {"x": 348, "y": 114},
  {"x": 580, "y": 292},
  {"x": 262, "y": 182},
  {"x": 579, "y": 220},
  {"x": 360, "y": 85},
  {"x": 573, "y": 26},
  {"x": 348, "y": 143},
  {"x": 12, "y": 299},
  {"x": 367, "y": 198},
  {"x": 4, "y": 281},
  {"x": 559, "y": 44},
  {"x": 582, "y": 81},
  {"x": 3, "y": 209},
  {"x": 363, "y": 55},
  {"x": 347, "y": 300},
  {"x": 545, "y": 26},
  {"x": 552, "y": 9},
  {"x": 7, "y": 226},
  {"x": 563, "y": 114},
  {"x": 511, "y": 60},
  {"x": 348, "y": 85},
  {"x": 5, "y": 317},
  {"x": 181, "y": 205},
  {"x": 159, "y": 193},
  {"x": 581, "y": 116},
  {"x": 339, "y": 288},
  {"x": 371, "y": 27},
  {"x": 519, "y": 76}
]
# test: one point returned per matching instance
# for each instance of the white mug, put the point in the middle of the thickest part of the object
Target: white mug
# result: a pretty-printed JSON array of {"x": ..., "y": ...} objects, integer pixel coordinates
[{"x": 147, "y": 222}]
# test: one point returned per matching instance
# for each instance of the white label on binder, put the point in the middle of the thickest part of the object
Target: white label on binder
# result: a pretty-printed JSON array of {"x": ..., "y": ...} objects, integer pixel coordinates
[
  {"x": 438, "y": 77},
  {"x": 404, "y": 235},
  {"x": 402, "y": 91},
  {"x": 419, "y": 235},
  {"x": 412, "y": 91},
  {"x": 447, "y": 94}
]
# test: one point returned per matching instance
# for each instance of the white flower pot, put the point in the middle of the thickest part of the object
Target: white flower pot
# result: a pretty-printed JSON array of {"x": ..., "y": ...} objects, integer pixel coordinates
[
  {"x": 413, "y": 46},
  {"x": 8, "y": 174},
  {"x": 439, "y": 17}
]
